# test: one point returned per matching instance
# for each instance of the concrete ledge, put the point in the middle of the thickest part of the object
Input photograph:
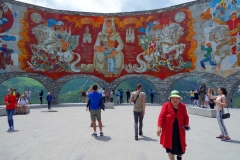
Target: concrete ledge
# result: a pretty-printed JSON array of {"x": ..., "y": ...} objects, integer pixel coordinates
[
  {"x": 109, "y": 105},
  {"x": 4, "y": 113},
  {"x": 202, "y": 111}
]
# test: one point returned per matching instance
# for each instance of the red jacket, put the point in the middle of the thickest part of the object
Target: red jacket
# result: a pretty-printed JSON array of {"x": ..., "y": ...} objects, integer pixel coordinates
[
  {"x": 13, "y": 101},
  {"x": 166, "y": 119}
]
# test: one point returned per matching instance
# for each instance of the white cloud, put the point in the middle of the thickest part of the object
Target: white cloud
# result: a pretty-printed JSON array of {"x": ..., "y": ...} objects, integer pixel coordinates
[{"x": 105, "y": 6}]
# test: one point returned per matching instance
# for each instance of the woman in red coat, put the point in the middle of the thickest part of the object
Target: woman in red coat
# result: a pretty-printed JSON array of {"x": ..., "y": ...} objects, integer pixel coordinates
[
  {"x": 11, "y": 103},
  {"x": 173, "y": 117}
]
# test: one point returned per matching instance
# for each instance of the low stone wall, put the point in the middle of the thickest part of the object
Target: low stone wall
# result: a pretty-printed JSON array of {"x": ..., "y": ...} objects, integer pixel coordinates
[
  {"x": 202, "y": 111},
  {"x": 4, "y": 113}
]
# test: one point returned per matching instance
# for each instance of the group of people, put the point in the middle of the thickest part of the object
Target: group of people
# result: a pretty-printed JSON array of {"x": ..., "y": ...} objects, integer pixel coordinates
[
  {"x": 200, "y": 98},
  {"x": 172, "y": 124},
  {"x": 108, "y": 96}
]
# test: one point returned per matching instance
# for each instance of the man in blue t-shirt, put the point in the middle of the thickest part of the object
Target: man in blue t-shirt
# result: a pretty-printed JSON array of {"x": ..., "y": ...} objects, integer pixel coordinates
[{"x": 95, "y": 111}]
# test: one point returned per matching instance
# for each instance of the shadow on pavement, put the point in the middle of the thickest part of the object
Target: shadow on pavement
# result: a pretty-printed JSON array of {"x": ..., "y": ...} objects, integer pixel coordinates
[
  {"x": 103, "y": 138},
  {"x": 145, "y": 138},
  {"x": 234, "y": 141},
  {"x": 13, "y": 131}
]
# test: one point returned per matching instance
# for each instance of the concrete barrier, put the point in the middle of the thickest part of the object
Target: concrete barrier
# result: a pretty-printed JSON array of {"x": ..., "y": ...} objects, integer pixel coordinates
[
  {"x": 4, "y": 113},
  {"x": 109, "y": 105},
  {"x": 202, "y": 111}
]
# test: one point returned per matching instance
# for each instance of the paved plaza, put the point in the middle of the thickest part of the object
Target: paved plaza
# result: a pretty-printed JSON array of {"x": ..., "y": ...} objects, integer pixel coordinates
[{"x": 66, "y": 135}]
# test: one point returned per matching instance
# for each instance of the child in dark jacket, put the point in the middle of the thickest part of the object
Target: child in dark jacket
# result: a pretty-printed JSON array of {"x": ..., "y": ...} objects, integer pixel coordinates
[{"x": 49, "y": 100}]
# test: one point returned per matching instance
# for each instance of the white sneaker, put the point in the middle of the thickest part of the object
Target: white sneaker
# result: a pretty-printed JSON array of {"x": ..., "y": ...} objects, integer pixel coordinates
[{"x": 12, "y": 128}]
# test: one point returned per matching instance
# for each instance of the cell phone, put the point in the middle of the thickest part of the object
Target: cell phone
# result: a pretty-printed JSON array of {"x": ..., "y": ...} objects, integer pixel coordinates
[{"x": 186, "y": 128}]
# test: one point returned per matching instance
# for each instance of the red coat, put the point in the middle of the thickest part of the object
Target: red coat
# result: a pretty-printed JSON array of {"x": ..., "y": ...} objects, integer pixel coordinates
[
  {"x": 13, "y": 102},
  {"x": 165, "y": 121}
]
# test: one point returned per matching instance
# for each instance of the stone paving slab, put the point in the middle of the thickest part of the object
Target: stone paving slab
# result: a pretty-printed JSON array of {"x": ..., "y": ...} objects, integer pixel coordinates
[{"x": 66, "y": 135}]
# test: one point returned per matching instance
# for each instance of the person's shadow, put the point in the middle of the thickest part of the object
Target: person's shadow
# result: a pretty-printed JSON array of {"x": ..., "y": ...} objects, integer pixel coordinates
[
  {"x": 234, "y": 141},
  {"x": 145, "y": 138},
  {"x": 103, "y": 138},
  {"x": 12, "y": 131}
]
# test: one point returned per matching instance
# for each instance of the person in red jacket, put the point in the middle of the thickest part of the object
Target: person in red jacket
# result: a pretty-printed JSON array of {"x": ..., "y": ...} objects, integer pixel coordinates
[
  {"x": 11, "y": 103},
  {"x": 172, "y": 122}
]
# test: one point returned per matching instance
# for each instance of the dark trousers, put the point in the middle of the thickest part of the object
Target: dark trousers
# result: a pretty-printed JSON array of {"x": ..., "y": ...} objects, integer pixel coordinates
[
  {"x": 151, "y": 98},
  {"x": 111, "y": 99},
  {"x": 104, "y": 99},
  {"x": 138, "y": 116},
  {"x": 128, "y": 97},
  {"x": 10, "y": 113},
  {"x": 40, "y": 99},
  {"x": 211, "y": 104},
  {"x": 121, "y": 99},
  {"x": 49, "y": 105}
]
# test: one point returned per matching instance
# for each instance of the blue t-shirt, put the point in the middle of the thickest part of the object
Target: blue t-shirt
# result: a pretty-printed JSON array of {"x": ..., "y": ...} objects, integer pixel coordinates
[{"x": 95, "y": 98}]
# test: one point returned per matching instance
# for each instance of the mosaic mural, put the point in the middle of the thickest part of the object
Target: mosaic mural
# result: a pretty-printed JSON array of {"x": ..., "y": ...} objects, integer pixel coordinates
[{"x": 198, "y": 37}]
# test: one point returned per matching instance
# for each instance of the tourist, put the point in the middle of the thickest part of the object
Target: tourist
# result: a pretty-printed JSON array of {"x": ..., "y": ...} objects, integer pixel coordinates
[
  {"x": 172, "y": 120},
  {"x": 211, "y": 101},
  {"x": 40, "y": 95},
  {"x": 221, "y": 102},
  {"x": 11, "y": 103},
  {"x": 103, "y": 95},
  {"x": 202, "y": 93},
  {"x": 191, "y": 96},
  {"x": 139, "y": 100},
  {"x": 23, "y": 103},
  {"x": 206, "y": 102},
  {"x": 83, "y": 96},
  {"x": 128, "y": 95},
  {"x": 196, "y": 98},
  {"x": 49, "y": 100},
  {"x": 95, "y": 111},
  {"x": 121, "y": 96},
  {"x": 28, "y": 94},
  {"x": 118, "y": 96},
  {"x": 107, "y": 95},
  {"x": 111, "y": 95},
  {"x": 151, "y": 95}
]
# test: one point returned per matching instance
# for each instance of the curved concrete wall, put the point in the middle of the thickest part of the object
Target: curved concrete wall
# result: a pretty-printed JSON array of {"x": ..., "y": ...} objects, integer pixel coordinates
[{"x": 198, "y": 36}]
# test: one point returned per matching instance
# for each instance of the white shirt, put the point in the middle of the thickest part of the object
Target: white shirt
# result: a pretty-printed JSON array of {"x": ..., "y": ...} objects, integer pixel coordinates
[
  {"x": 28, "y": 93},
  {"x": 23, "y": 101},
  {"x": 103, "y": 93}
]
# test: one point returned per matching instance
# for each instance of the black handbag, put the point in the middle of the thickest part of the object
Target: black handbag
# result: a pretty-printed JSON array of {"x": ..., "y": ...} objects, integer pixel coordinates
[{"x": 225, "y": 115}]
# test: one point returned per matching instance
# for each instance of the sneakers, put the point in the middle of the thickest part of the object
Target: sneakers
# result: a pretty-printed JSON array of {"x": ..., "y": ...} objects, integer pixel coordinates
[
  {"x": 9, "y": 129},
  {"x": 220, "y": 137},
  {"x": 12, "y": 128},
  {"x": 94, "y": 134},
  {"x": 101, "y": 133},
  {"x": 136, "y": 137},
  {"x": 227, "y": 139}
]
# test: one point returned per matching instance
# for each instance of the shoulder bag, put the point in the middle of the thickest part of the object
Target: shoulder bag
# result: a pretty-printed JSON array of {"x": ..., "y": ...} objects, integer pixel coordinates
[
  {"x": 134, "y": 101},
  {"x": 225, "y": 115}
]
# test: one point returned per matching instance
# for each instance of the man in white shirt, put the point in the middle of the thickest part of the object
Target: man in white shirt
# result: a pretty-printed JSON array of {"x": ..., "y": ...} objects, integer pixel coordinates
[
  {"x": 103, "y": 95},
  {"x": 23, "y": 103},
  {"x": 28, "y": 95}
]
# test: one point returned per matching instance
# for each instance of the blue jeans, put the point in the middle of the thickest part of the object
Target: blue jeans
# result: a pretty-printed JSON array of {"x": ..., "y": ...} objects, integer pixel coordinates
[
  {"x": 206, "y": 60},
  {"x": 10, "y": 113}
]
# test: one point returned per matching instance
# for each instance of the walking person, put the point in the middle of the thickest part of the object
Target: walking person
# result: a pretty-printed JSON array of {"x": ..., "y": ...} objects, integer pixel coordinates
[
  {"x": 83, "y": 96},
  {"x": 111, "y": 95},
  {"x": 121, "y": 96},
  {"x": 173, "y": 120},
  {"x": 118, "y": 96},
  {"x": 151, "y": 95},
  {"x": 139, "y": 100},
  {"x": 40, "y": 95},
  {"x": 11, "y": 103},
  {"x": 128, "y": 95},
  {"x": 49, "y": 100},
  {"x": 196, "y": 98},
  {"x": 211, "y": 101},
  {"x": 28, "y": 94},
  {"x": 191, "y": 96},
  {"x": 202, "y": 93},
  {"x": 221, "y": 102},
  {"x": 95, "y": 111}
]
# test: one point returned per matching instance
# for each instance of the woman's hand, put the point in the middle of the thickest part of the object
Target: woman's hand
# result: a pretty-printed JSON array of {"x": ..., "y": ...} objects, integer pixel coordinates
[{"x": 159, "y": 131}]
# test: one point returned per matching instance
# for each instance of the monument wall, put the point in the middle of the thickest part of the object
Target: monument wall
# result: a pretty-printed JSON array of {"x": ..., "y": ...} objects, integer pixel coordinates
[{"x": 196, "y": 36}]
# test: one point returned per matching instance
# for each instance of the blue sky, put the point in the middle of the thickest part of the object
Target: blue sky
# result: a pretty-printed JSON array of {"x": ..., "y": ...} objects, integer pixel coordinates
[{"x": 105, "y": 6}]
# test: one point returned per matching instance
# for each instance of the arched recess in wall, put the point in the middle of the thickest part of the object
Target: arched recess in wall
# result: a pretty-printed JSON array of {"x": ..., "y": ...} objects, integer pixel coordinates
[
  {"x": 130, "y": 84},
  {"x": 22, "y": 84},
  {"x": 71, "y": 91},
  {"x": 68, "y": 87},
  {"x": 186, "y": 84}
]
